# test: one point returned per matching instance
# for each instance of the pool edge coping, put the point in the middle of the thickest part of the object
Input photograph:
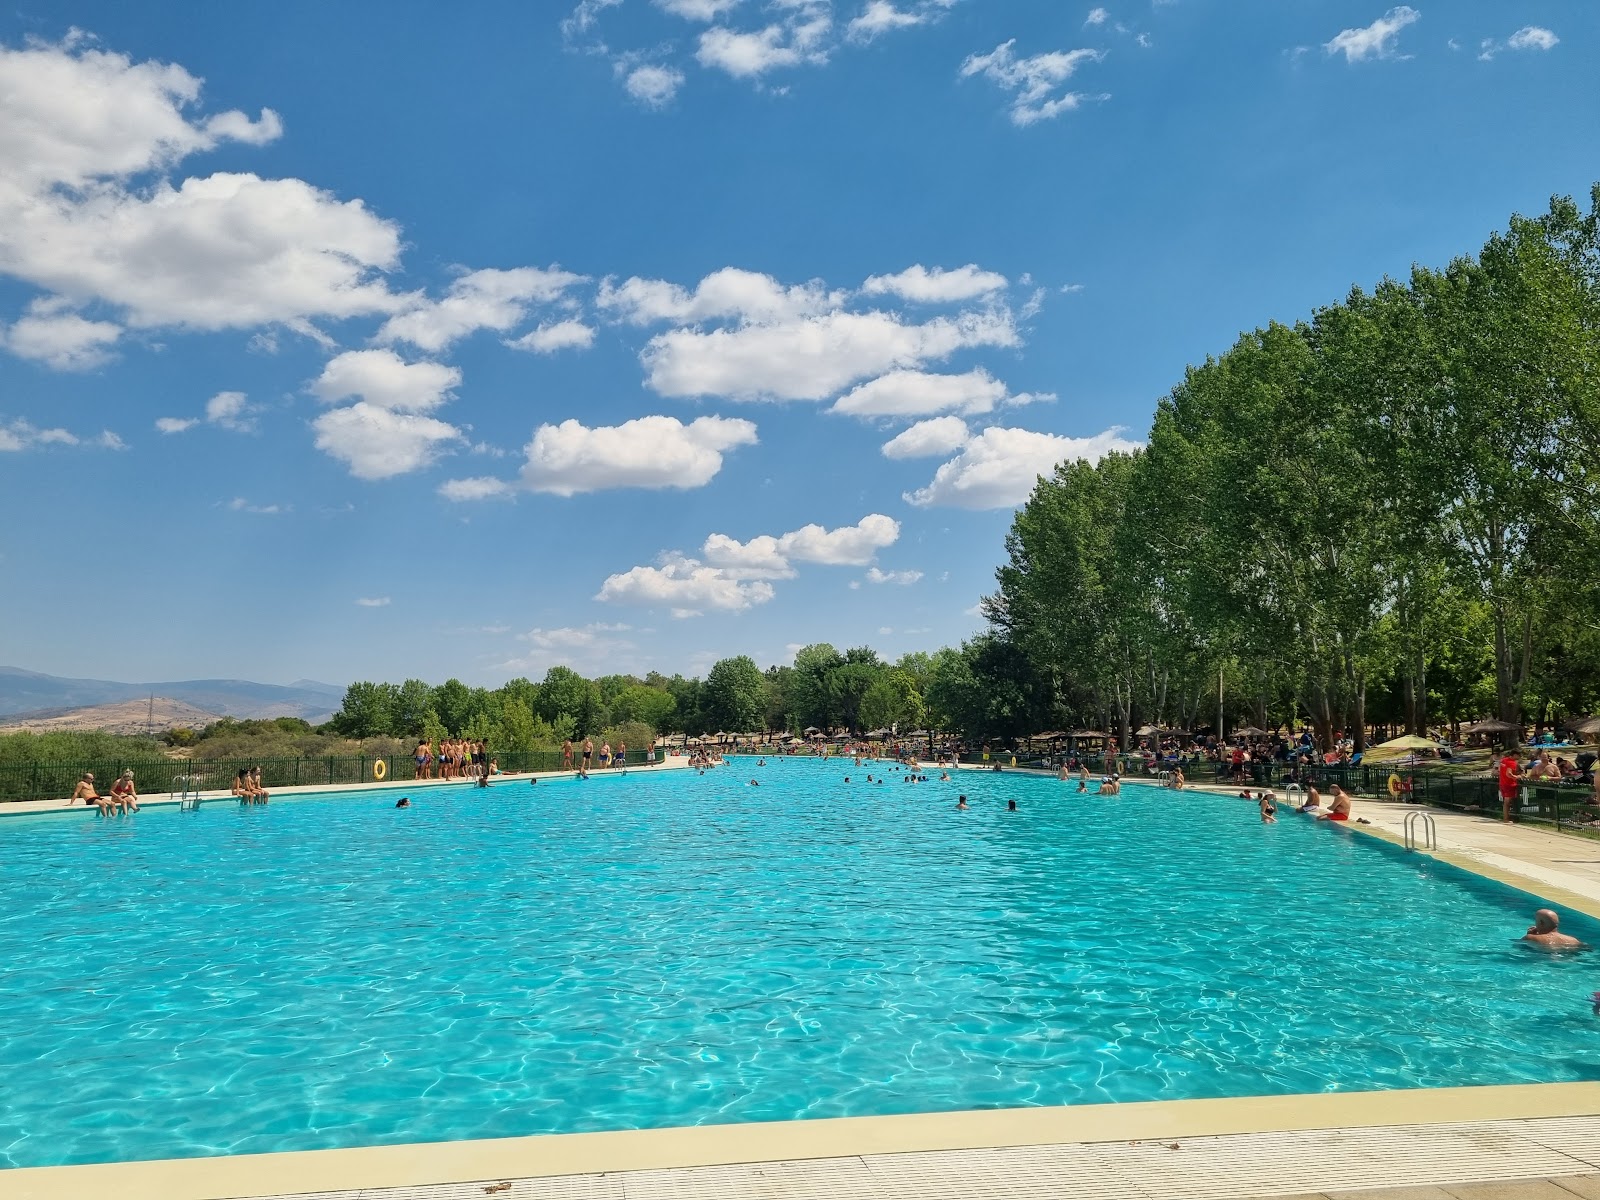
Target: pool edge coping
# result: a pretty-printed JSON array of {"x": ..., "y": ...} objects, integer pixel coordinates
[{"x": 425, "y": 1164}]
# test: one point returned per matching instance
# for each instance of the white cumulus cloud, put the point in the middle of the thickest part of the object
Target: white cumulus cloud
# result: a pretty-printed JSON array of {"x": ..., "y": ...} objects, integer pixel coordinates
[
  {"x": 1035, "y": 81},
  {"x": 486, "y": 299},
  {"x": 1533, "y": 37},
  {"x": 686, "y": 586},
  {"x": 561, "y": 335},
  {"x": 62, "y": 340},
  {"x": 848, "y": 545},
  {"x": 652, "y": 84},
  {"x": 999, "y": 467},
  {"x": 884, "y": 16},
  {"x": 900, "y": 578},
  {"x": 377, "y": 442},
  {"x": 1378, "y": 40},
  {"x": 920, "y": 394},
  {"x": 87, "y": 215},
  {"x": 382, "y": 378},
  {"x": 648, "y": 452},
  {"x": 20, "y": 435},
  {"x": 728, "y": 293},
  {"x": 373, "y": 601},
  {"x": 480, "y": 487},
  {"x": 937, "y": 286},
  {"x": 226, "y": 410},
  {"x": 812, "y": 357},
  {"x": 698, "y": 10},
  {"x": 929, "y": 439}
]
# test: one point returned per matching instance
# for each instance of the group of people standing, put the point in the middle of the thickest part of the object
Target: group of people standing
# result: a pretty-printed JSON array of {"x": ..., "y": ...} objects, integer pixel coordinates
[
  {"x": 607, "y": 757},
  {"x": 457, "y": 758}
]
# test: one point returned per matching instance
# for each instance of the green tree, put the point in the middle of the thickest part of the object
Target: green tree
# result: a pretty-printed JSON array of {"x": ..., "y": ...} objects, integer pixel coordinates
[
  {"x": 814, "y": 696},
  {"x": 412, "y": 702},
  {"x": 452, "y": 700},
  {"x": 367, "y": 710},
  {"x": 735, "y": 695},
  {"x": 650, "y": 706},
  {"x": 562, "y": 691}
]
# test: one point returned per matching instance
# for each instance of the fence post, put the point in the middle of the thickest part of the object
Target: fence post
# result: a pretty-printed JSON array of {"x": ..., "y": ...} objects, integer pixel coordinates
[
  {"x": 362, "y": 777},
  {"x": 330, "y": 770}
]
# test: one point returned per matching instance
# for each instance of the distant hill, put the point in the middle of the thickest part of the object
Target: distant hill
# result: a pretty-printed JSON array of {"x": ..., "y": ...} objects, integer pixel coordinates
[
  {"x": 125, "y": 717},
  {"x": 30, "y": 692}
]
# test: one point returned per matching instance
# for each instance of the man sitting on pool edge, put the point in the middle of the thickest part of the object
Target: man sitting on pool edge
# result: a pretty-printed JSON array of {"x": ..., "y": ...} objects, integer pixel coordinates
[{"x": 1339, "y": 810}]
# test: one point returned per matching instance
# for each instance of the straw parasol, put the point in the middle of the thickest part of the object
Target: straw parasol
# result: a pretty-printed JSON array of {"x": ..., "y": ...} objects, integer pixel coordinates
[
  {"x": 1400, "y": 746},
  {"x": 1492, "y": 726},
  {"x": 1249, "y": 731},
  {"x": 1584, "y": 726}
]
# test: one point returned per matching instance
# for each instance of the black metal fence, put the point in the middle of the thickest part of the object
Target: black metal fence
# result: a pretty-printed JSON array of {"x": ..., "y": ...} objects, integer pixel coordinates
[
  {"x": 1561, "y": 806},
  {"x": 160, "y": 776}
]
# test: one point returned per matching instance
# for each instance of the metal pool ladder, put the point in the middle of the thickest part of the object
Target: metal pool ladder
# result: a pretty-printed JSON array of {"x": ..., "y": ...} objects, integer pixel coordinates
[
  {"x": 1421, "y": 823},
  {"x": 1290, "y": 791},
  {"x": 188, "y": 789},
  {"x": 1164, "y": 778}
]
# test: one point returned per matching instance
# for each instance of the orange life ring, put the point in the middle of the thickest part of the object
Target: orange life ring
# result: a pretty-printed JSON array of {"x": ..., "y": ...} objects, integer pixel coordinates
[{"x": 1394, "y": 784}]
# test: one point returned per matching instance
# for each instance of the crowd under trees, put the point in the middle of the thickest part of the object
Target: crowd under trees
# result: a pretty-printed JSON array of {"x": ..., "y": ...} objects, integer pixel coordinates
[{"x": 1385, "y": 515}]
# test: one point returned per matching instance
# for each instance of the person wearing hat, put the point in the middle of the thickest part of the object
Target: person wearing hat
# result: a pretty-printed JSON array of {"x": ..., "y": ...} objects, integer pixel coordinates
[{"x": 1510, "y": 783}]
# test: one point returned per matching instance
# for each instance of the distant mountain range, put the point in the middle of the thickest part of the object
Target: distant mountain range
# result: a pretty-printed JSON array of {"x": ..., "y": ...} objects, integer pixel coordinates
[{"x": 28, "y": 692}]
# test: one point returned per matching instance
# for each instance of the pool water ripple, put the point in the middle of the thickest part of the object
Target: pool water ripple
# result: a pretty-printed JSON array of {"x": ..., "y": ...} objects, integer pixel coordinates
[{"x": 678, "y": 949}]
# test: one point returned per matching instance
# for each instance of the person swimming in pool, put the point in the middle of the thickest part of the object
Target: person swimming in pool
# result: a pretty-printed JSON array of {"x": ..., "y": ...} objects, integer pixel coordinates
[
  {"x": 1269, "y": 809},
  {"x": 961, "y": 803},
  {"x": 403, "y": 802},
  {"x": 1011, "y": 806},
  {"x": 1546, "y": 932}
]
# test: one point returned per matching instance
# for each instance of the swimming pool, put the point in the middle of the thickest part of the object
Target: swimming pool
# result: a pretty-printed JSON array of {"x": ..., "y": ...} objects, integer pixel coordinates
[{"x": 675, "y": 949}]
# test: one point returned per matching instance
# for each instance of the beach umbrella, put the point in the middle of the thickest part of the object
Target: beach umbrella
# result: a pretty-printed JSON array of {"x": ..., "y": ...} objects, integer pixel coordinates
[
  {"x": 1584, "y": 726},
  {"x": 1249, "y": 731},
  {"x": 1396, "y": 747},
  {"x": 1493, "y": 726}
]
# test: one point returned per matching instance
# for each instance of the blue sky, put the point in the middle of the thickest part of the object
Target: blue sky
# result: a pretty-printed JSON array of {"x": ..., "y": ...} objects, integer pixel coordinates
[{"x": 377, "y": 340}]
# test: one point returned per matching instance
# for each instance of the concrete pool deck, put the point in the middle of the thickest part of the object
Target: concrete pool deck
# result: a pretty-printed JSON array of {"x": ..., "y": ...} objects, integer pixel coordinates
[
  {"x": 1524, "y": 1142},
  {"x": 158, "y": 799},
  {"x": 1274, "y": 1146}
]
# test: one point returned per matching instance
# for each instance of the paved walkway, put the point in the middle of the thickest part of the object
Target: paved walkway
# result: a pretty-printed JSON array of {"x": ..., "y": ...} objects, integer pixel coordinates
[{"x": 1554, "y": 1159}]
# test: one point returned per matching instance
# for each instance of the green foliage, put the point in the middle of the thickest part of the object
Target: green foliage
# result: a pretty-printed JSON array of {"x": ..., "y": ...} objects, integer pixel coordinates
[
  {"x": 650, "y": 706},
  {"x": 26, "y": 747},
  {"x": 635, "y": 735},
  {"x": 368, "y": 710},
  {"x": 563, "y": 691},
  {"x": 735, "y": 696},
  {"x": 1398, "y": 497}
]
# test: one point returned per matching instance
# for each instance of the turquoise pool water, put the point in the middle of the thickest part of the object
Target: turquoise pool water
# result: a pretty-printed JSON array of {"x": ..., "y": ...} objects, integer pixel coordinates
[{"x": 677, "y": 949}]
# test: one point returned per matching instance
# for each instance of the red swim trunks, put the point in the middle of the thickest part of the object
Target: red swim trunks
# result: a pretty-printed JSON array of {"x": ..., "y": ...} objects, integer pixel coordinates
[{"x": 1338, "y": 816}]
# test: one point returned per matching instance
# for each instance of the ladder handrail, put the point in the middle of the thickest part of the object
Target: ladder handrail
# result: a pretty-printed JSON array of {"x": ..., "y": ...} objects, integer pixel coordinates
[{"x": 1420, "y": 821}]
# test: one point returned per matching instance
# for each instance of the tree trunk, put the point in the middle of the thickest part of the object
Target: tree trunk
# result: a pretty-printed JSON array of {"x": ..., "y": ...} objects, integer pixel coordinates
[{"x": 1321, "y": 710}]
